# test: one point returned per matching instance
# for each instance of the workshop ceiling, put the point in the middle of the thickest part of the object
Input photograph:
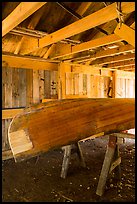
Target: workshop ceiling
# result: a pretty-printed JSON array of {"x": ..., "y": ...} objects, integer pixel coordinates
[{"x": 89, "y": 33}]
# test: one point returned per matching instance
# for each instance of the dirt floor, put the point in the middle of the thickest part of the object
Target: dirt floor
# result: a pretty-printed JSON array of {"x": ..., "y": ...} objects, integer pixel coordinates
[{"x": 38, "y": 179}]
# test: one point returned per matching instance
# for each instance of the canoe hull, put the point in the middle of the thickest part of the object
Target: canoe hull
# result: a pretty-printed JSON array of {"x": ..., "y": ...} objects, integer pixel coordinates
[{"x": 51, "y": 125}]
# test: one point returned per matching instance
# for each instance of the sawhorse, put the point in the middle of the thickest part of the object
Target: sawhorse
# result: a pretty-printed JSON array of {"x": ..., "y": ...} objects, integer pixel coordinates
[
  {"x": 112, "y": 160},
  {"x": 67, "y": 155}
]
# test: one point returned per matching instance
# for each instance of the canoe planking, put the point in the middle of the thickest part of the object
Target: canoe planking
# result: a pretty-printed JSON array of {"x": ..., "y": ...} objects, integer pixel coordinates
[{"x": 53, "y": 124}]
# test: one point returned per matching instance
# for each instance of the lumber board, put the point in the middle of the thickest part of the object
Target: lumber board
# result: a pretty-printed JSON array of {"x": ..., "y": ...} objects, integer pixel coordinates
[
  {"x": 10, "y": 113},
  {"x": 15, "y": 87},
  {"x": 29, "y": 87},
  {"x": 22, "y": 87},
  {"x": 47, "y": 76},
  {"x": 53, "y": 124},
  {"x": 36, "y": 97}
]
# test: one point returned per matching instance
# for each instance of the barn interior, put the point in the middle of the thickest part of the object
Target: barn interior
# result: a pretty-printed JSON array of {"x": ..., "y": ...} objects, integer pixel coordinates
[{"x": 67, "y": 50}]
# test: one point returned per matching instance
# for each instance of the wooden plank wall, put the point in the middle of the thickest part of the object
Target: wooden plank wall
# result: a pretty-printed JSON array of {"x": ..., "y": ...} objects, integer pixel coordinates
[
  {"x": 125, "y": 84},
  {"x": 88, "y": 85},
  {"x": 23, "y": 87}
]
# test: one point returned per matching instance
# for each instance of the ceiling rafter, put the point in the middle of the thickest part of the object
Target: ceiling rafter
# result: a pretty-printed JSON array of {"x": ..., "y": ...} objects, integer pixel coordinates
[
  {"x": 126, "y": 32},
  {"x": 102, "y": 16},
  {"x": 19, "y": 14},
  {"x": 121, "y": 64},
  {"x": 106, "y": 53},
  {"x": 32, "y": 24},
  {"x": 25, "y": 62},
  {"x": 118, "y": 58},
  {"x": 92, "y": 44}
]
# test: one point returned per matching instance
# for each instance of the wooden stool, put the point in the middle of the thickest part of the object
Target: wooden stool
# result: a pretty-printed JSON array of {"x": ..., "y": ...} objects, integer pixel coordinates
[{"x": 67, "y": 154}]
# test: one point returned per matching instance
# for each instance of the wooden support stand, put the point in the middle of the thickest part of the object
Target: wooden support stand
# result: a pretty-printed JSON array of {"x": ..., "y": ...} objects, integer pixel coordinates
[
  {"x": 67, "y": 155},
  {"x": 112, "y": 161}
]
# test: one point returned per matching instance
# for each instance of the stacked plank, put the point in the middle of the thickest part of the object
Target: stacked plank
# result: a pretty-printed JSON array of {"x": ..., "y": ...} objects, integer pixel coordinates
[{"x": 53, "y": 124}]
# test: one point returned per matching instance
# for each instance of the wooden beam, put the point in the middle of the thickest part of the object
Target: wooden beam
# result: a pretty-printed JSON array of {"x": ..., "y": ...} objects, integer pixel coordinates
[
  {"x": 124, "y": 75},
  {"x": 33, "y": 23},
  {"x": 108, "y": 60},
  {"x": 121, "y": 64},
  {"x": 19, "y": 14},
  {"x": 109, "y": 52},
  {"x": 18, "y": 61},
  {"x": 102, "y": 16},
  {"x": 128, "y": 68},
  {"x": 10, "y": 113},
  {"x": 126, "y": 33},
  {"x": 81, "y": 10},
  {"x": 92, "y": 44}
]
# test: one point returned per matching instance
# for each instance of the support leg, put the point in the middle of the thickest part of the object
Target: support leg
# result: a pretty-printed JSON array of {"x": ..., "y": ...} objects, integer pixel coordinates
[
  {"x": 118, "y": 167},
  {"x": 106, "y": 165},
  {"x": 66, "y": 159},
  {"x": 80, "y": 155}
]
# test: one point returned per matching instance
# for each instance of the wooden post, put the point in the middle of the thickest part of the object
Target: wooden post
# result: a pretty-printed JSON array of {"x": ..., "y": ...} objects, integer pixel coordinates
[
  {"x": 80, "y": 154},
  {"x": 66, "y": 159},
  {"x": 106, "y": 165}
]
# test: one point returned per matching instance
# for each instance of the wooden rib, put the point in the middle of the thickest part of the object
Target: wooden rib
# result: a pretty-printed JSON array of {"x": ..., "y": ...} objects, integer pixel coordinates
[
  {"x": 121, "y": 64},
  {"x": 19, "y": 14},
  {"x": 28, "y": 62},
  {"x": 107, "y": 60},
  {"x": 126, "y": 33}
]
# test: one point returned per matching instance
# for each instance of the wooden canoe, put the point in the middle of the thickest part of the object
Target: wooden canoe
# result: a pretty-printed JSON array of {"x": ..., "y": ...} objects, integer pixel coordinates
[{"x": 57, "y": 123}]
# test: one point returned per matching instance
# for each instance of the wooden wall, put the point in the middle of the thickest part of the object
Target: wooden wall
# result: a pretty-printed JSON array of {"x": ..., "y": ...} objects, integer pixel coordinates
[
  {"x": 23, "y": 87},
  {"x": 124, "y": 84}
]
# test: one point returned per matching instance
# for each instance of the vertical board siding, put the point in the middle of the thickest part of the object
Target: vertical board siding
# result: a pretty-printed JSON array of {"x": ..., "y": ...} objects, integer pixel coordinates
[
  {"x": 93, "y": 86},
  {"x": 41, "y": 84},
  {"x": 23, "y": 87},
  {"x": 15, "y": 88},
  {"x": 54, "y": 84},
  {"x": 7, "y": 103},
  {"x": 47, "y": 76},
  {"x": 36, "y": 98},
  {"x": 29, "y": 87},
  {"x": 125, "y": 87}
]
